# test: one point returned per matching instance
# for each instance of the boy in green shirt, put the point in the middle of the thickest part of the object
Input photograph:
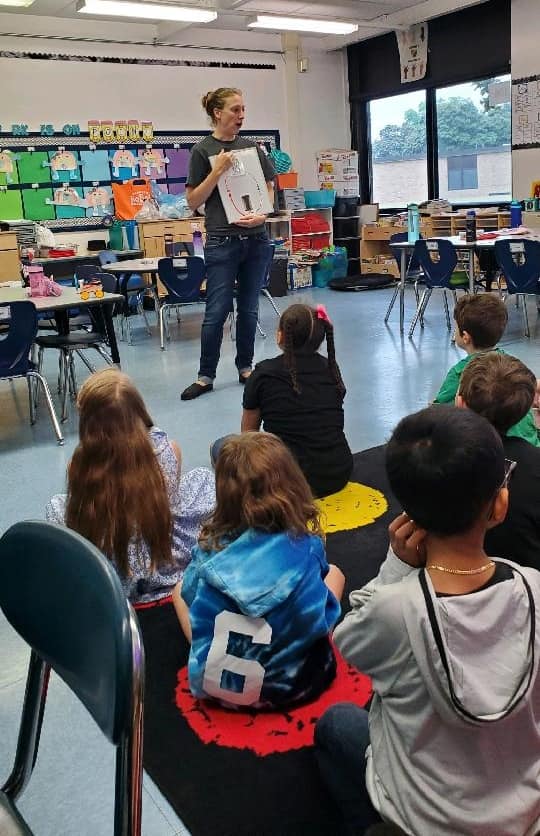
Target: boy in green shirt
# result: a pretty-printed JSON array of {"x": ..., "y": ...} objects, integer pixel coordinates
[{"x": 480, "y": 323}]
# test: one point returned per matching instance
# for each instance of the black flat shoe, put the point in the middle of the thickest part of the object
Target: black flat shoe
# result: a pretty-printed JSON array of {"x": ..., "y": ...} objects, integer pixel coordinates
[
  {"x": 242, "y": 378},
  {"x": 195, "y": 390}
]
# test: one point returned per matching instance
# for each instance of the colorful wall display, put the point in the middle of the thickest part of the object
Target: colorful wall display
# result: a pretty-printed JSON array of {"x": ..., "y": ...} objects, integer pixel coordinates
[{"x": 66, "y": 180}]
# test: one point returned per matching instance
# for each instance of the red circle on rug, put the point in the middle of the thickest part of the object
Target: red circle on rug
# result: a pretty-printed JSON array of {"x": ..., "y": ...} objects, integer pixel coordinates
[{"x": 267, "y": 732}]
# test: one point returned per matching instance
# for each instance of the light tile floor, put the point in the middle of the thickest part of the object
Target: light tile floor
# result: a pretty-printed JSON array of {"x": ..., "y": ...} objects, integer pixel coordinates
[{"x": 387, "y": 376}]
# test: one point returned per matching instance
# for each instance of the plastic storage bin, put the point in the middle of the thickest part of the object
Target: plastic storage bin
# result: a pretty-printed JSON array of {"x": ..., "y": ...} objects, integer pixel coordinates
[{"x": 323, "y": 199}]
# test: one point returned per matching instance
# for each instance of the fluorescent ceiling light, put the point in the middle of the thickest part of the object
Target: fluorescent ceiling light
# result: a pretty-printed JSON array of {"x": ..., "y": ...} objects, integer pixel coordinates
[
  {"x": 151, "y": 11},
  {"x": 16, "y": 3},
  {"x": 301, "y": 24}
]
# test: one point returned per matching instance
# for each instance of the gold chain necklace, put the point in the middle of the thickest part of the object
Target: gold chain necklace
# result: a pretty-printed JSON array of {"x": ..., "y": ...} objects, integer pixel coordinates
[{"x": 478, "y": 571}]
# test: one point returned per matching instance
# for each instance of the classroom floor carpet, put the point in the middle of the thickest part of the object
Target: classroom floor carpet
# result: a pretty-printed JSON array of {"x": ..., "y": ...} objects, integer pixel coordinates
[{"x": 240, "y": 774}]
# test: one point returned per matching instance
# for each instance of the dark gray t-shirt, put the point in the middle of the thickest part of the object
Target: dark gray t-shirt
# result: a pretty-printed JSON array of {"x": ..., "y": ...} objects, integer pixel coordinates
[{"x": 199, "y": 168}]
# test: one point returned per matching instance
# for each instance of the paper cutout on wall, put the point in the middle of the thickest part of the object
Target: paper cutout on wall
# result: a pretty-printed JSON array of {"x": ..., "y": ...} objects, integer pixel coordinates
[
  {"x": 99, "y": 200},
  {"x": 34, "y": 205},
  {"x": 10, "y": 205},
  {"x": 123, "y": 158},
  {"x": 7, "y": 165},
  {"x": 95, "y": 165},
  {"x": 31, "y": 168},
  {"x": 66, "y": 196},
  {"x": 63, "y": 161},
  {"x": 152, "y": 162},
  {"x": 526, "y": 112}
]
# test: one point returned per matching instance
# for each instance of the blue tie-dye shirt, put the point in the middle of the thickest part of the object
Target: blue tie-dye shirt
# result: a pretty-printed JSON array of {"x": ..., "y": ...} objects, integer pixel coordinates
[{"x": 260, "y": 615}]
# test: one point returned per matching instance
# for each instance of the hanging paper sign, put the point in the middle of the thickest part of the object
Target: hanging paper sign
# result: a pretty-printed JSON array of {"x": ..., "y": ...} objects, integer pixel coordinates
[
  {"x": 412, "y": 44},
  {"x": 62, "y": 161},
  {"x": 147, "y": 129},
  {"x": 94, "y": 131},
  {"x": 121, "y": 131},
  {"x": 123, "y": 158},
  {"x": 7, "y": 158},
  {"x": 65, "y": 196},
  {"x": 98, "y": 199},
  {"x": 151, "y": 160}
]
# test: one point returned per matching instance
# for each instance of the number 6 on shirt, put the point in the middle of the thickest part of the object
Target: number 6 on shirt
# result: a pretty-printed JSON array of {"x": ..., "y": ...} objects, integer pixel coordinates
[{"x": 218, "y": 660}]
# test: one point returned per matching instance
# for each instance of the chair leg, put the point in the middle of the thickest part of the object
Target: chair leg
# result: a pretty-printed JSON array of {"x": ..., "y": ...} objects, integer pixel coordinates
[
  {"x": 35, "y": 695},
  {"x": 417, "y": 314},
  {"x": 38, "y": 378},
  {"x": 447, "y": 312},
  {"x": 72, "y": 376},
  {"x": 161, "y": 314},
  {"x": 142, "y": 312},
  {"x": 270, "y": 298},
  {"x": 91, "y": 368},
  {"x": 393, "y": 301},
  {"x": 128, "y": 783},
  {"x": 65, "y": 386},
  {"x": 260, "y": 330},
  {"x": 525, "y": 315},
  {"x": 232, "y": 325},
  {"x": 108, "y": 359}
]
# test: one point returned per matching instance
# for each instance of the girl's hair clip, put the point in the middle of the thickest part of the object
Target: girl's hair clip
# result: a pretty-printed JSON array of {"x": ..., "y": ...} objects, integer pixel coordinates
[{"x": 322, "y": 314}]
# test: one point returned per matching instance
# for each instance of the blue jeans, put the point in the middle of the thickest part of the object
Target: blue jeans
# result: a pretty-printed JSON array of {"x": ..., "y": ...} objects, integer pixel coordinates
[
  {"x": 230, "y": 260},
  {"x": 341, "y": 741}
]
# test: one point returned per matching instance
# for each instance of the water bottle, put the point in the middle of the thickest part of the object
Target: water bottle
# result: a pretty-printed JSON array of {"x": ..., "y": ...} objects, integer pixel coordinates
[
  {"x": 515, "y": 214},
  {"x": 413, "y": 223},
  {"x": 470, "y": 225},
  {"x": 198, "y": 248}
]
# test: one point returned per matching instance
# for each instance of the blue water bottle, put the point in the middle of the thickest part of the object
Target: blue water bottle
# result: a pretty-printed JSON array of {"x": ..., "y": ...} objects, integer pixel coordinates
[
  {"x": 515, "y": 214},
  {"x": 413, "y": 223}
]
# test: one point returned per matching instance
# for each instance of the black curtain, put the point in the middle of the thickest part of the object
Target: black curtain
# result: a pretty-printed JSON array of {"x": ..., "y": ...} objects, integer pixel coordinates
[{"x": 464, "y": 46}]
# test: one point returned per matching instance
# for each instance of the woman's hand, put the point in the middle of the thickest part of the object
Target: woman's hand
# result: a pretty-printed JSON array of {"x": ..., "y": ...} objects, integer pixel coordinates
[
  {"x": 250, "y": 220},
  {"x": 224, "y": 161},
  {"x": 407, "y": 541}
]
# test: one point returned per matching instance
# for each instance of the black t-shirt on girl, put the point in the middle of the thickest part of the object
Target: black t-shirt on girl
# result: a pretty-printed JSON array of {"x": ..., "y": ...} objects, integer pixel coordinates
[{"x": 310, "y": 424}]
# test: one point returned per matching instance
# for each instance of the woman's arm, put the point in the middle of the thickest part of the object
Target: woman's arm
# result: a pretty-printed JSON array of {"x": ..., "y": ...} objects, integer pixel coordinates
[
  {"x": 251, "y": 420},
  {"x": 197, "y": 195}
]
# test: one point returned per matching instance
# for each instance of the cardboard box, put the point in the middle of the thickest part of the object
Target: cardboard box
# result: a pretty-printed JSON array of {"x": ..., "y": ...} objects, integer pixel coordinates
[{"x": 531, "y": 219}]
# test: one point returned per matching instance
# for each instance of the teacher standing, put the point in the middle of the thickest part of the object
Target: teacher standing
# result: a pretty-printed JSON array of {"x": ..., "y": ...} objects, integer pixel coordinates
[{"x": 235, "y": 254}]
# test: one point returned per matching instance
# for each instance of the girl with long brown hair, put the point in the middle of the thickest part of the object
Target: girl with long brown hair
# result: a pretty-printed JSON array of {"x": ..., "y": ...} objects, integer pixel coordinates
[
  {"x": 259, "y": 600},
  {"x": 299, "y": 395},
  {"x": 124, "y": 490}
]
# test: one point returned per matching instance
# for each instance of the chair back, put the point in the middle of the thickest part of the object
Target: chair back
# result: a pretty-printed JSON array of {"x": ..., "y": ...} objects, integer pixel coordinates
[
  {"x": 86, "y": 272},
  {"x": 15, "y": 346},
  {"x": 107, "y": 257},
  {"x": 436, "y": 273},
  {"x": 268, "y": 269},
  {"x": 519, "y": 260},
  {"x": 183, "y": 283},
  {"x": 64, "y": 598},
  {"x": 183, "y": 248},
  {"x": 413, "y": 266}
]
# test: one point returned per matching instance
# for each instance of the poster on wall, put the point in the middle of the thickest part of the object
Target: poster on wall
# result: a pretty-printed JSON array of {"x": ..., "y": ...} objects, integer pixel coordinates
[
  {"x": 412, "y": 45},
  {"x": 526, "y": 112}
]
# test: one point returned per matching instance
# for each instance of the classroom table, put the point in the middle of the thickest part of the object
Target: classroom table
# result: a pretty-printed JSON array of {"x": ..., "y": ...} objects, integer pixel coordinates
[
  {"x": 140, "y": 265},
  {"x": 66, "y": 265},
  {"x": 406, "y": 247},
  {"x": 70, "y": 298}
]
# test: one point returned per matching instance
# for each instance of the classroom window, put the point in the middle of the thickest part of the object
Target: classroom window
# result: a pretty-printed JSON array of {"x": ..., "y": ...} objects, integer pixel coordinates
[
  {"x": 462, "y": 172},
  {"x": 474, "y": 141},
  {"x": 399, "y": 149}
]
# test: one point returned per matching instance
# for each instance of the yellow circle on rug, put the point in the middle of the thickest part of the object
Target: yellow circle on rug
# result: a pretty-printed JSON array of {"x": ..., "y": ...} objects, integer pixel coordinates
[{"x": 352, "y": 507}]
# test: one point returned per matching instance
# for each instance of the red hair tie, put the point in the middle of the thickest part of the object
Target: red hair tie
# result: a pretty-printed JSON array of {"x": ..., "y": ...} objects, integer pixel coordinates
[{"x": 322, "y": 314}]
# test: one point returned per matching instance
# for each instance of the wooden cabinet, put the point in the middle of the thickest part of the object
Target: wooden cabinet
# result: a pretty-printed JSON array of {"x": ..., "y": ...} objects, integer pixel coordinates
[
  {"x": 152, "y": 234},
  {"x": 10, "y": 264}
]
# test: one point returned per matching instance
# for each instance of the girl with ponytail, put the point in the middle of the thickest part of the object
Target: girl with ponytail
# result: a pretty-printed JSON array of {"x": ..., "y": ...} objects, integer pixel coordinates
[{"x": 299, "y": 395}]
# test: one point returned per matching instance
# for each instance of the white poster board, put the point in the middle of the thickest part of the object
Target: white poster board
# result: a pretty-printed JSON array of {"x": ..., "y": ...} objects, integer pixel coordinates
[
  {"x": 413, "y": 45},
  {"x": 242, "y": 188}
]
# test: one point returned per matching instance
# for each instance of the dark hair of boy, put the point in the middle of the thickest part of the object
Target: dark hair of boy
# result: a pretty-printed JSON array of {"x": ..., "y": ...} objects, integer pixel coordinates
[
  {"x": 444, "y": 466},
  {"x": 499, "y": 387},
  {"x": 484, "y": 318},
  {"x": 303, "y": 332}
]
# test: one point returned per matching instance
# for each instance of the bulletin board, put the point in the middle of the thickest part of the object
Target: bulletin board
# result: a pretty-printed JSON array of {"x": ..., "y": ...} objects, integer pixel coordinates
[
  {"x": 66, "y": 183},
  {"x": 526, "y": 112}
]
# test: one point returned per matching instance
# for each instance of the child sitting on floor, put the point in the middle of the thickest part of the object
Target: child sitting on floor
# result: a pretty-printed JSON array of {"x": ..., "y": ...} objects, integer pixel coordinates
[
  {"x": 480, "y": 323},
  {"x": 258, "y": 600},
  {"x": 125, "y": 493},
  {"x": 451, "y": 744},
  {"x": 299, "y": 395},
  {"x": 502, "y": 389}
]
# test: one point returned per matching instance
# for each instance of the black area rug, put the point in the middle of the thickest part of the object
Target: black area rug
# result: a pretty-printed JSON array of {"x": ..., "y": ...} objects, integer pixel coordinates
[{"x": 218, "y": 790}]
